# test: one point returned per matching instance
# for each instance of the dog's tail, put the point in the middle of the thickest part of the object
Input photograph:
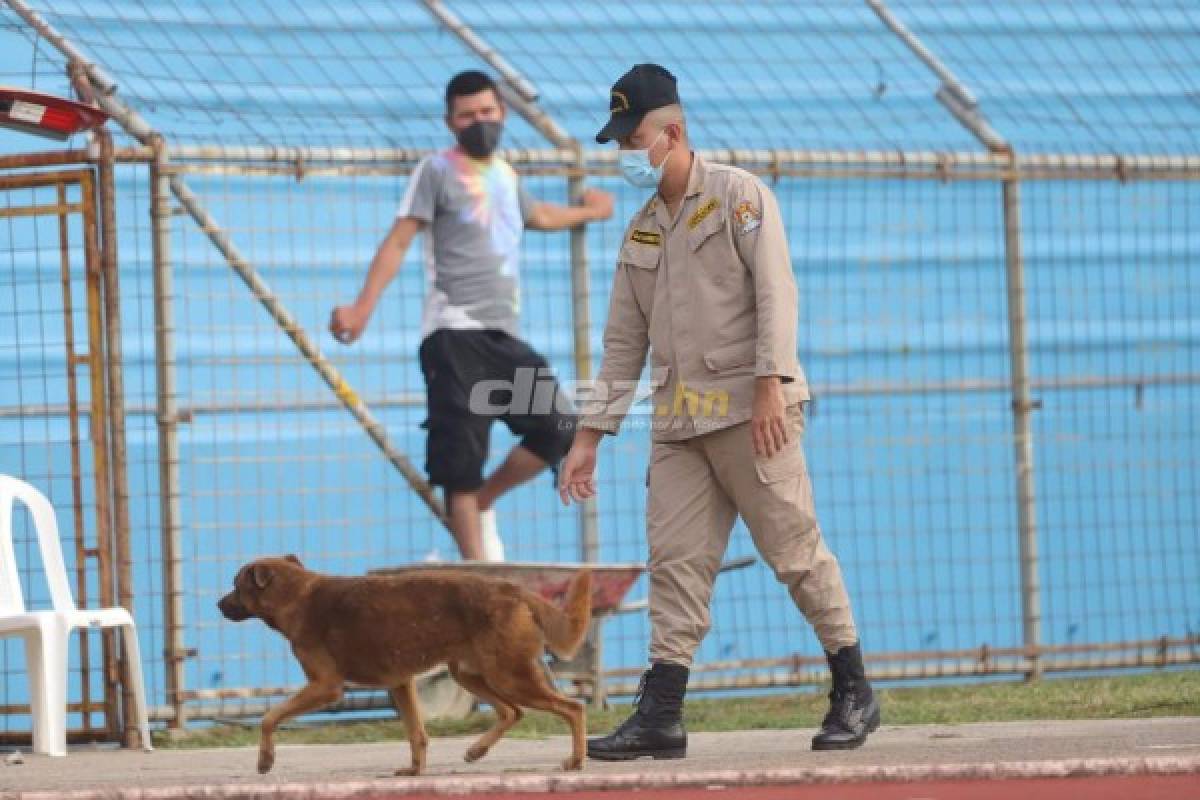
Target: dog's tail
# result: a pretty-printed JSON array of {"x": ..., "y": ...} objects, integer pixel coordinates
[{"x": 565, "y": 627}]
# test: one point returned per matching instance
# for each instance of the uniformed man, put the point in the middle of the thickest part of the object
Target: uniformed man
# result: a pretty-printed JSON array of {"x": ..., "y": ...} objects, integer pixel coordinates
[{"x": 704, "y": 282}]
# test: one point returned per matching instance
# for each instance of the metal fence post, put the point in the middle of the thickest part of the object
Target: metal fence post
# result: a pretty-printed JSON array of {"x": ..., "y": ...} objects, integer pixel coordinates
[
  {"x": 1022, "y": 406},
  {"x": 581, "y": 318},
  {"x": 116, "y": 420},
  {"x": 98, "y": 436},
  {"x": 168, "y": 440},
  {"x": 958, "y": 99},
  {"x": 103, "y": 153}
]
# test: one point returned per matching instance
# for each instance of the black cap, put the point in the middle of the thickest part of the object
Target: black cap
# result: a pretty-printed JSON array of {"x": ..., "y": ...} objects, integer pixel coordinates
[{"x": 644, "y": 88}]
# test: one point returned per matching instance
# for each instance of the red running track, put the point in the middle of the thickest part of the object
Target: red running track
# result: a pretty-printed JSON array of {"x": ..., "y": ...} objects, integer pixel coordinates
[{"x": 1120, "y": 787}]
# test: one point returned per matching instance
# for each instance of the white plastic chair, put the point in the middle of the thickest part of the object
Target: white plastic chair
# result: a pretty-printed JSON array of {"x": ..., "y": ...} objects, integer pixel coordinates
[{"x": 47, "y": 633}]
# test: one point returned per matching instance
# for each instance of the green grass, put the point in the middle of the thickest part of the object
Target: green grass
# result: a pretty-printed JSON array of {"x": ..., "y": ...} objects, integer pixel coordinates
[{"x": 1159, "y": 694}]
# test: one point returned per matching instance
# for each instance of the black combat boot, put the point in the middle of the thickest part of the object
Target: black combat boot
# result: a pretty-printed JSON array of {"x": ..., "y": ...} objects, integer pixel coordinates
[
  {"x": 853, "y": 709},
  {"x": 656, "y": 728}
]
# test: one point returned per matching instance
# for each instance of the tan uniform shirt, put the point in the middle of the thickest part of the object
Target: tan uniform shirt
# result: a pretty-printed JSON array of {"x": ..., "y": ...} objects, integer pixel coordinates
[{"x": 711, "y": 295}]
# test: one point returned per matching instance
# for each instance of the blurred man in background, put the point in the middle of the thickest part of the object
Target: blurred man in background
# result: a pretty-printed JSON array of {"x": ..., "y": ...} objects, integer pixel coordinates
[{"x": 472, "y": 207}]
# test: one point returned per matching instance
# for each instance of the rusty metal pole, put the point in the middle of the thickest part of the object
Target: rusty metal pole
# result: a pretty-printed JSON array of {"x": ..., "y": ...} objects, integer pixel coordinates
[
  {"x": 98, "y": 430},
  {"x": 589, "y": 538},
  {"x": 116, "y": 415},
  {"x": 168, "y": 435},
  {"x": 589, "y": 527},
  {"x": 73, "y": 360},
  {"x": 101, "y": 151}
]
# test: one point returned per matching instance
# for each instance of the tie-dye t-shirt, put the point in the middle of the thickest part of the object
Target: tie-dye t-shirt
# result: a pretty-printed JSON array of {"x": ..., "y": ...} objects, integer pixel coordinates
[{"x": 475, "y": 212}]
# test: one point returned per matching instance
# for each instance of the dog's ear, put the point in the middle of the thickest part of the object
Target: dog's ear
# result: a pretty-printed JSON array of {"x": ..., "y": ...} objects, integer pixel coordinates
[
  {"x": 293, "y": 559},
  {"x": 261, "y": 575}
]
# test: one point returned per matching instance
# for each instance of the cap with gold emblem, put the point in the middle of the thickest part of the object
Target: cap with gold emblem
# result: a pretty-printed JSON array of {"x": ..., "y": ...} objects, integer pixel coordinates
[{"x": 644, "y": 88}]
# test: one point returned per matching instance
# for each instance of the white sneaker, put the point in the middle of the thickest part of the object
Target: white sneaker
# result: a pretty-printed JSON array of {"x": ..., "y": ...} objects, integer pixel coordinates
[{"x": 493, "y": 547}]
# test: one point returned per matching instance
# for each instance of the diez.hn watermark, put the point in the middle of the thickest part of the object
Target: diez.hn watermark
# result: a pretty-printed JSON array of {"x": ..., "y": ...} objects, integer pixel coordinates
[{"x": 532, "y": 391}]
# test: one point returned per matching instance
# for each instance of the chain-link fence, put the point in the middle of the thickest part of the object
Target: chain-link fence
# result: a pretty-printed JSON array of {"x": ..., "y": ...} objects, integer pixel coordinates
[{"x": 1002, "y": 347}]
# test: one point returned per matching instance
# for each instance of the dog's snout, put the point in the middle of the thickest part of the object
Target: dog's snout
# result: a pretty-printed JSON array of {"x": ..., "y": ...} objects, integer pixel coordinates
[{"x": 232, "y": 609}]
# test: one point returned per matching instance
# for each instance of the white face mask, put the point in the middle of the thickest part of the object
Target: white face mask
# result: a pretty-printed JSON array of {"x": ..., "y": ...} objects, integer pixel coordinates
[{"x": 636, "y": 167}]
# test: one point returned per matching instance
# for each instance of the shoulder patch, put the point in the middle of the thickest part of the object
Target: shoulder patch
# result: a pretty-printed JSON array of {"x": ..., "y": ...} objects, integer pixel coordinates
[
  {"x": 646, "y": 237},
  {"x": 703, "y": 211},
  {"x": 747, "y": 217}
]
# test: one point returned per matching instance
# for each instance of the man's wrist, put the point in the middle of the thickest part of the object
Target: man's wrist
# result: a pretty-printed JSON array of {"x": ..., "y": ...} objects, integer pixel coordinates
[
  {"x": 365, "y": 303},
  {"x": 588, "y": 437}
]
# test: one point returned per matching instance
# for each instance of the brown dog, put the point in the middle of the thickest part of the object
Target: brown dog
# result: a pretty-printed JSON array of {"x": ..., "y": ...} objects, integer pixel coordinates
[{"x": 385, "y": 630}]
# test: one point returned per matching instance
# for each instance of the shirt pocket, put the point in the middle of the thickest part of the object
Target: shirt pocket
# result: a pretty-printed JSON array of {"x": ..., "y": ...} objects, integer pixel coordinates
[
  {"x": 704, "y": 230},
  {"x": 737, "y": 356},
  {"x": 642, "y": 256},
  {"x": 712, "y": 249},
  {"x": 642, "y": 261}
]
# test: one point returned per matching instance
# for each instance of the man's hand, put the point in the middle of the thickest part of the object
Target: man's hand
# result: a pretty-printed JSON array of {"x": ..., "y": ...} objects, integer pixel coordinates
[
  {"x": 598, "y": 202},
  {"x": 768, "y": 425},
  {"x": 577, "y": 476},
  {"x": 346, "y": 323}
]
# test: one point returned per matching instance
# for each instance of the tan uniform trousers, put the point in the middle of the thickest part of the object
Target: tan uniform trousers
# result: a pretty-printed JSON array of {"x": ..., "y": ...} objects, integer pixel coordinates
[{"x": 697, "y": 487}]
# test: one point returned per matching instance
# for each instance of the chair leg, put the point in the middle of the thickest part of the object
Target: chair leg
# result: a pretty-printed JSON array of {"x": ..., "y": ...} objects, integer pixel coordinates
[
  {"x": 133, "y": 657},
  {"x": 37, "y": 693},
  {"x": 46, "y": 661}
]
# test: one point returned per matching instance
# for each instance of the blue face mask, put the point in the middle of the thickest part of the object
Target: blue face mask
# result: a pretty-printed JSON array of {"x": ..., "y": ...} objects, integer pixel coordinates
[{"x": 636, "y": 167}]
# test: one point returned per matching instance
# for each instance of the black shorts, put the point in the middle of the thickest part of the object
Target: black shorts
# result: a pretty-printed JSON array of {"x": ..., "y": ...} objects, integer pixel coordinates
[{"x": 473, "y": 377}]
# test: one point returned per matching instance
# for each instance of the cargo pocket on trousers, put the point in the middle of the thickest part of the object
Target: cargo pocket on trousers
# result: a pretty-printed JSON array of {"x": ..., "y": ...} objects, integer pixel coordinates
[
  {"x": 787, "y": 492},
  {"x": 788, "y": 463}
]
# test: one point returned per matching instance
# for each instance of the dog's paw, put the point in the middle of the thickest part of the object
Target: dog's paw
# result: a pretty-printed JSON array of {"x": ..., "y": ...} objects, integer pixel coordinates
[
  {"x": 407, "y": 772},
  {"x": 266, "y": 760},
  {"x": 573, "y": 764},
  {"x": 475, "y": 752}
]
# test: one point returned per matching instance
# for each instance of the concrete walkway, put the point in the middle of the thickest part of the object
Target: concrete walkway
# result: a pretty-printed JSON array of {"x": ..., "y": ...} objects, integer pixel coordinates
[{"x": 1163, "y": 746}]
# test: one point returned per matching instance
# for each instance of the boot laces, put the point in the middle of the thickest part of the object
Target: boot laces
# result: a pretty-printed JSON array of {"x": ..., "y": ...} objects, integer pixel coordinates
[
  {"x": 641, "y": 690},
  {"x": 634, "y": 719},
  {"x": 660, "y": 699}
]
